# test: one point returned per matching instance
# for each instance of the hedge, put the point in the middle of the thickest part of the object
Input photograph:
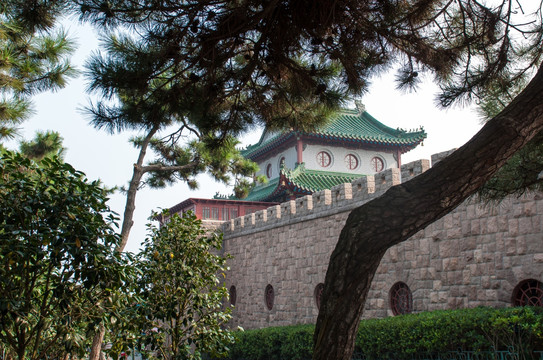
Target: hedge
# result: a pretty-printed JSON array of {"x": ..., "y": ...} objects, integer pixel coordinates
[{"x": 403, "y": 337}]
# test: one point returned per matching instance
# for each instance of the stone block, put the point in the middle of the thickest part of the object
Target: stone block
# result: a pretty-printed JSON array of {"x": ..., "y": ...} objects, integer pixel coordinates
[
  {"x": 363, "y": 188},
  {"x": 304, "y": 205},
  {"x": 288, "y": 208},
  {"x": 273, "y": 212},
  {"x": 239, "y": 222},
  {"x": 386, "y": 179},
  {"x": 435, "y": 158},
  {"x": 249, "y": 220},
  {"x": 341, "y": 193},
  {"x": 414, "y": 168},
  {"x": 261, "y": 217},
  {"x": 322, "y": 200}
]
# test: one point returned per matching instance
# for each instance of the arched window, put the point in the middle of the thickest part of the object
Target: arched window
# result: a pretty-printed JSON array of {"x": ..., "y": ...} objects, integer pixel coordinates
[
  {"x": 401, "y": 299},
  {"x": 269, "y": 171},
  {"x": 324, "y": 159},
  {"x": 318, "y": 293},
  {"x": 233, "y": 295},
  {"x": 351, "y": 161},
  {"x": 269, "y": 297},
  {"x": 528, "y": 293},
  {"x": 377, "y": 164}
]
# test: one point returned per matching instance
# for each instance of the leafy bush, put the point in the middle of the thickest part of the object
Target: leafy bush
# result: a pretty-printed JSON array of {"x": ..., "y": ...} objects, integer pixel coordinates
[{"x": 401, "y": 337}]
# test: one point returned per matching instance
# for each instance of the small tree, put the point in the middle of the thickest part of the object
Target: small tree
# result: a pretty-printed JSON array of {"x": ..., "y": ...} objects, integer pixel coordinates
[
  {"x": 182, "y": 313},
  {"x": 59, "y": 273}
]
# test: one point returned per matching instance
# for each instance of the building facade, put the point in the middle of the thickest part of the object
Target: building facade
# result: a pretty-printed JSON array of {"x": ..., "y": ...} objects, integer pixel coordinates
[
  {"x": 286, "y": 230},
  {"x": 476, "y": 255}
]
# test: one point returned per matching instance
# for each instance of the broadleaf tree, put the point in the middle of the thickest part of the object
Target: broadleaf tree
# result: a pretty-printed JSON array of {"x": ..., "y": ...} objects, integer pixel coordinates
[
  {"x": 289, "y": 63},
  {"x": 59, "y": 269},
  {"x": 181, "y": 314}
]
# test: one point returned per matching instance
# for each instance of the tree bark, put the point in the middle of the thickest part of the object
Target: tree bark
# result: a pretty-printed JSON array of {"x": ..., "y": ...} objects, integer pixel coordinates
[
  {"x": 96, "y": 348},
  {"x": 407, "y": 208},
  {"x": 130, "y": 206}
]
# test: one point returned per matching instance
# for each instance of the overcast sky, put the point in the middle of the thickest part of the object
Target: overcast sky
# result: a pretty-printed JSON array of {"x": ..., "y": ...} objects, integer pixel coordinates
[{"x": 110, "y": 157}]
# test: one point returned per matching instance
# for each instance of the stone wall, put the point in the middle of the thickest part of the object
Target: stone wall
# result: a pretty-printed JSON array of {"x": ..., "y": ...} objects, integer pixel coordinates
[{"x": 474, "y": 256}]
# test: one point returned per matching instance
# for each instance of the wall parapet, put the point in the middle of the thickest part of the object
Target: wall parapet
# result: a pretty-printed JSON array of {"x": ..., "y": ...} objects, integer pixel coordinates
[{"x": 341, "y": 198}]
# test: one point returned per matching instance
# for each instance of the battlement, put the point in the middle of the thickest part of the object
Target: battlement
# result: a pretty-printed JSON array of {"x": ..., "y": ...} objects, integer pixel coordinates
[{"x": 339, "y": 199}]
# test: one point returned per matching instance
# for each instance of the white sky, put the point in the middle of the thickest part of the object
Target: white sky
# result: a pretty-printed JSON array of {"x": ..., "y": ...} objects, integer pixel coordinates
[{"x": 110, "y": 157}]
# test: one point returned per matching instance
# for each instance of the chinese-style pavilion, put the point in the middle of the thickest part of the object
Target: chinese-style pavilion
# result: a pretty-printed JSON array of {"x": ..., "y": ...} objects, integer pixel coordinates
[
  {"x": 298, "y": 163},
  {"x": 353, "y": 144}
]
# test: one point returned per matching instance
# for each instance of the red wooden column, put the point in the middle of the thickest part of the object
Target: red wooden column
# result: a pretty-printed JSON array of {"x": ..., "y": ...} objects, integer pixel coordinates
[{"x": 299, "y": 149}]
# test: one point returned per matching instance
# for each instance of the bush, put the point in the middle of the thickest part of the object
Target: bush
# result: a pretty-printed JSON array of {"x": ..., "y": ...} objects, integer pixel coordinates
[{"x": 401, "y": 337}]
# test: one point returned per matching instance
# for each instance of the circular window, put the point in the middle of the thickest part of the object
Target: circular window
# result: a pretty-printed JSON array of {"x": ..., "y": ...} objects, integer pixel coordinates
[
  {"x": 233, "y": 295},
  {"x": 318, "y": 294},
  {"x": 269, "y": 171},
  {"x": 528, "y": 293},
  {"x": 324, "y": 159},
  {"x": 401, "y": 300},
  {"x": 377, "y": 164},
  {"x": 269, "y": 297},
  {"x": 351, "y": 161}
]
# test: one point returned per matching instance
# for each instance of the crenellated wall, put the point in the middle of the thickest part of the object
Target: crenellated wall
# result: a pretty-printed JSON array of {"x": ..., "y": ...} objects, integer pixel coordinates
[{"x": 474, "y": 256}]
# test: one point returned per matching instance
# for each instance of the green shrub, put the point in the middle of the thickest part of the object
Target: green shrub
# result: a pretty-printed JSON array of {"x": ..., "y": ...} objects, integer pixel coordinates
[{"x": 401, "y": 337}]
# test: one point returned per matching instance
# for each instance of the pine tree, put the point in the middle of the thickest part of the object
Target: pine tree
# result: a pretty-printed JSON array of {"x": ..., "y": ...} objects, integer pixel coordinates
[
  {"x": 44, "y": 144},
  {"x": 289, "y": 63},
  {"x": 33, "y": 57},
  {"x": 185, "y": 151}
]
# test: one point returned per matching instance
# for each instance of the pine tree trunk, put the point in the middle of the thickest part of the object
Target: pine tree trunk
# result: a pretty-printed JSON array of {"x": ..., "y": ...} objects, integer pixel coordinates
[
  {"x": 128, "y": 217},
  {"x": 96, "y": 349},
  {"x": 407, "y": 208}
]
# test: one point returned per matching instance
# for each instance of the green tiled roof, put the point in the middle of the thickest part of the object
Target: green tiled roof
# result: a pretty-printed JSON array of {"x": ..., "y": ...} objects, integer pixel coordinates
[
  {"x": 300, "y": 181},
  {"x": 349, "y": 126},
  {"x": 352, "y": 125},
  {"x": 262, "y": 192},
  {"x": 316, "y": 180}
]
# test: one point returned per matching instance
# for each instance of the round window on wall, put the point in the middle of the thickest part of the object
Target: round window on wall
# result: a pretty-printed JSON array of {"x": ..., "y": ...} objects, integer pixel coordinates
[
  {"x": 377, "y": 164},
  {"x": 269, "y": 171},
  {"x": 528, "y": 293},
  {"x": 324, "y": 159},
  {"x": 401, "y": 299},
  {"x": 351, "y": 161},
  {"x": 269, "y": 296},
  {"x": 233, "y": 295}
]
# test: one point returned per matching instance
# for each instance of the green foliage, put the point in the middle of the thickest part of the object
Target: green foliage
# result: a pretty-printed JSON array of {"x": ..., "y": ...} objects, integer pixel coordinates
[
  {"x": 59, "y": 273},
  {"x": 522, "y": 173},
  {"x": 33, "y": 57},
  {"x": 44, "y": 144},
  {"x": 181, "y": 313},
  {"x": 401, "y": 337},
  {"x": 287, "y": 63}
]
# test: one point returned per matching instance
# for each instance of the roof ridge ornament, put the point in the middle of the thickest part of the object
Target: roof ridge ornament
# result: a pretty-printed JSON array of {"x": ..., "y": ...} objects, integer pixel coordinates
[{"x": 360, "y": 106}]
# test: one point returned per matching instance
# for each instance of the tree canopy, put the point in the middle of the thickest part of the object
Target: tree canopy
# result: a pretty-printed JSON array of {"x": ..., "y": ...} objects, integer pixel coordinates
[
  {"x": 181, "y": 314},
  {"x": 33, "y": 57},
  {"x": 226, "y": 65},
  {"x": 59, "y": 267}
]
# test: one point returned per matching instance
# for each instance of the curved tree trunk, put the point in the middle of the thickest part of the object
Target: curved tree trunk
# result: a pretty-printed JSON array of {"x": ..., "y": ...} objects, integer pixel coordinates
[
  {"x": 128, "y": 216},
  {"x": 407, "y": 208}
]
